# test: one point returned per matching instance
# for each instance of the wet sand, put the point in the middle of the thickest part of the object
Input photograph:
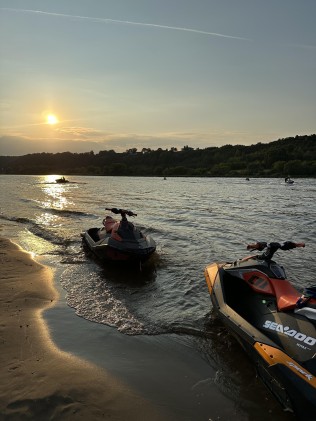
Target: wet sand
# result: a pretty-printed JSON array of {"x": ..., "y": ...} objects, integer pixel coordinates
[{"x": 38, "y": 380}]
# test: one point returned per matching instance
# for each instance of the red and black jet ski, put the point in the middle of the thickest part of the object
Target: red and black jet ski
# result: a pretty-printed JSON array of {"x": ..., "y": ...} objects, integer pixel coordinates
[
  {"x": 273, "y": 322},
  {"x": 119, "y": 240}
]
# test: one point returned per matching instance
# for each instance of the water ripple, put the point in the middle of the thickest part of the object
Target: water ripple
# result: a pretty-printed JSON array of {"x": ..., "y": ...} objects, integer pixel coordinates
[{"x": 193, "y": 221}]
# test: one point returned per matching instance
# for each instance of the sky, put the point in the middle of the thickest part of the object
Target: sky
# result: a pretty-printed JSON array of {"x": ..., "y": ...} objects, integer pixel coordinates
[{"x": 83, "y": 75}]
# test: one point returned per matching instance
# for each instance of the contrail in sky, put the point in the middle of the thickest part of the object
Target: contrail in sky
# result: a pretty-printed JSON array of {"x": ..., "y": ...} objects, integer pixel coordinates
[{"x": 126, "y": 22}]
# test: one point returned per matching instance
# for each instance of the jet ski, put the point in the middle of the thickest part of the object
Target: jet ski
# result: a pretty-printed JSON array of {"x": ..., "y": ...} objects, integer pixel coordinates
[
  {"x": 61, "y": 180},
  {"x": 119, "y": 241},
  {"x": 288, "y": 180},
  {"x": 274, "y": 323}
]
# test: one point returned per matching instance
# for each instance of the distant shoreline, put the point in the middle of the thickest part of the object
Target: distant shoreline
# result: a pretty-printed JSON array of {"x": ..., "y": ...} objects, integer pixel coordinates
[
  {"x": 294, "y": 156},
  {"x": 302, "y": 177}
]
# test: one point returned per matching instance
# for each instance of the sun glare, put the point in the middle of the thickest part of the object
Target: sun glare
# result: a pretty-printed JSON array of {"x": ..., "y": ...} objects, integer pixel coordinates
[{"x": 51, "y": 119}]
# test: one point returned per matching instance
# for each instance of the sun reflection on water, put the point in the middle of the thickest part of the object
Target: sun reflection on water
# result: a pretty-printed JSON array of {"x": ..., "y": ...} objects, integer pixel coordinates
[
  {"x": 55, "y": 194},
  {"x": 47, "y": 219},
  {"x": 51, "y": 178}
]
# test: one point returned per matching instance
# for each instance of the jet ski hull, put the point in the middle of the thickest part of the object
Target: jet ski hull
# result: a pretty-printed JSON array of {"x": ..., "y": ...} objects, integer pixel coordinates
[
  {"x": 253, "y": 319},
  {"x": 107, "y": 249}
]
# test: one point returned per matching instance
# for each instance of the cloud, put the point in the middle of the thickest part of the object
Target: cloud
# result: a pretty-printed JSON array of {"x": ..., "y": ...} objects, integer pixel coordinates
[
  {"x": 125, "y": 22},
  {"x": 19, "y": 145},
  {"x": 303, "y": 46},
  {"x": 120, "y": 142},
  {"x": 77, "y": 133}
]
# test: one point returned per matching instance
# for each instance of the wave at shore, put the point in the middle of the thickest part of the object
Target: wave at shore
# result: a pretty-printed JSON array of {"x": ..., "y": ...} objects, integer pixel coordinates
[{"x": 41, "y": 380}]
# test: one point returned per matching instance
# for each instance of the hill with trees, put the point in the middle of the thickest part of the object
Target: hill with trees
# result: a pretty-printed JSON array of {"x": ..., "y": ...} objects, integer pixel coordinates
[{"x": 294, "y": 155}]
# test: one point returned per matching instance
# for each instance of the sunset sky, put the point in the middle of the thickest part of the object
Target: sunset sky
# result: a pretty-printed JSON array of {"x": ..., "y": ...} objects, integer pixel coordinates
[{"x": 81, "y": 75}]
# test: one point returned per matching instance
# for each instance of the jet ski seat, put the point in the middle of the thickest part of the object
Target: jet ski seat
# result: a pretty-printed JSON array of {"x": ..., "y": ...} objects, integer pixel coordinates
[
  {"x": 109, "y": 223},
  {"x": 286, "y": 294},
  {"x": 258, "y": 281}
]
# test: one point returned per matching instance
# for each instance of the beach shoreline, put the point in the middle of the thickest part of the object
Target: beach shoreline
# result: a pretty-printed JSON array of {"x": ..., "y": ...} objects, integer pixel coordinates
[
  {"x": 58, "y": 366},
  {"x": 40, "y": 381}
]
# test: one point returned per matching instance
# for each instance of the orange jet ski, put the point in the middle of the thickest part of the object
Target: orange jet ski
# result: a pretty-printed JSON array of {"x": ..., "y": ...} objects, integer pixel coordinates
[{"x": 273, "y": 321}]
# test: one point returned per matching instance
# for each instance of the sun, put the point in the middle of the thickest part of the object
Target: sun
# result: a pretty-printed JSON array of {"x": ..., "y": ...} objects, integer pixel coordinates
[{"x": 51, "y": 119}]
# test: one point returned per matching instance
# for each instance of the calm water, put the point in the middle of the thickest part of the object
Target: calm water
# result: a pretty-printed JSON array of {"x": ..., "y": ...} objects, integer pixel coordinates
[{"x": 193, "y": 221}]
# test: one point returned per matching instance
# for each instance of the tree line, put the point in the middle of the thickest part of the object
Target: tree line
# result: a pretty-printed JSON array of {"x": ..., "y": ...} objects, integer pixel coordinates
[{"x": 295, "y": 156}]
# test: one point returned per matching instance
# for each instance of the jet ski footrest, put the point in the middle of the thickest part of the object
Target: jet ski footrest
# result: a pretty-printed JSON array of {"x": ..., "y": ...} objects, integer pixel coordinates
[{"x": 308, "y": 312}]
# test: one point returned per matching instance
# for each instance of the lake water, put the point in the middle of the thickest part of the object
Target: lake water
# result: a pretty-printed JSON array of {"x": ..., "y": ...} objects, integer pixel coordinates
[{"x": 194, "y": 221}]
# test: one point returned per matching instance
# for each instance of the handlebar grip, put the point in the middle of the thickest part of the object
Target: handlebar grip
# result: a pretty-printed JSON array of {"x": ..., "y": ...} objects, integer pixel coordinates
[
  {"x": 252, "y": 246},
  {"x": 257, "y": 246},
  {"x": 114, "y": 210},
  {"x": 130, "y": 213},
  {"x": 289, "y": 245}
]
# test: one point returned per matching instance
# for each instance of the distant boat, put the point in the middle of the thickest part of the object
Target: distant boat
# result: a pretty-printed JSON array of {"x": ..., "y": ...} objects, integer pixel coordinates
[{"x": 61, "y": 180}]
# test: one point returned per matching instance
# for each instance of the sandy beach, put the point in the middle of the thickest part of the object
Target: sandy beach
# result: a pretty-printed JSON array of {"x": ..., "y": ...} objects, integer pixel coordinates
[{"x": 38, "y": 380}]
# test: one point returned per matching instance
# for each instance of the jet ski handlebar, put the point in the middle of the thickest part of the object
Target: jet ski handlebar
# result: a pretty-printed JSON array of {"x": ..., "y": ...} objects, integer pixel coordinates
[
  {"x": 271, "y": 248},
  {"x": 122, "y": 212}
]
